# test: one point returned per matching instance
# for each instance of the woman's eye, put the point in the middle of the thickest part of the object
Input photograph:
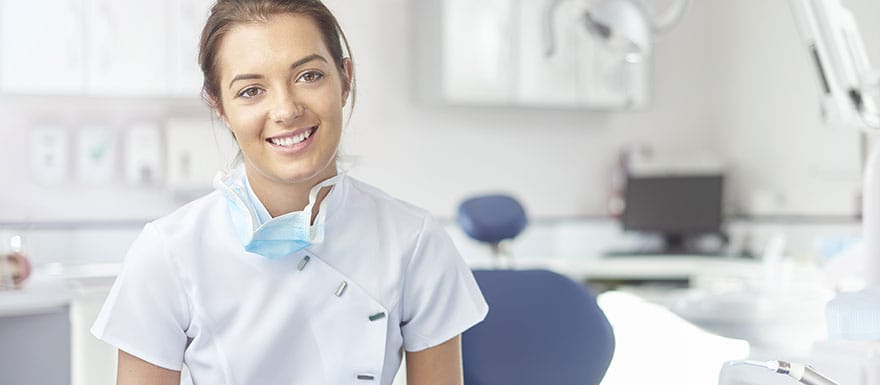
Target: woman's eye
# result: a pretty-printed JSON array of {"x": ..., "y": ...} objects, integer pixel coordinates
[
  {"x": 311, "y": 76},
  {"x": 250, "y": 92}
]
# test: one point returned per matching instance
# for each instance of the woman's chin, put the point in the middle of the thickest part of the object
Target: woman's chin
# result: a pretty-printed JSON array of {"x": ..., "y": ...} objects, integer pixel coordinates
[{"x": 303, "y": 176}]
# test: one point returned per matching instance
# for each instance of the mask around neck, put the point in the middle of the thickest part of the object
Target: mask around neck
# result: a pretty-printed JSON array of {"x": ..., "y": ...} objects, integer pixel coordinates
[{"x": 280, "y": 236}]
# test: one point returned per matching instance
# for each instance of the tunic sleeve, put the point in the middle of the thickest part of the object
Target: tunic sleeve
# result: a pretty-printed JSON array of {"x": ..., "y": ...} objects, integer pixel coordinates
[
  {"x": 146, "y": 313},
  {"x": 440, "y": 298}
]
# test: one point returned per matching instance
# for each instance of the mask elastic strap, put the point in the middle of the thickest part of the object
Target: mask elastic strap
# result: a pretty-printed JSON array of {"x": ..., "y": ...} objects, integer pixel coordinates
[{"x": 313, "y": 195}]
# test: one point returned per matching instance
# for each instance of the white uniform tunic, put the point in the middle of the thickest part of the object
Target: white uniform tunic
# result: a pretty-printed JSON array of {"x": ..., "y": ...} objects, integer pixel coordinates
[{"x": 386, "y": 276}]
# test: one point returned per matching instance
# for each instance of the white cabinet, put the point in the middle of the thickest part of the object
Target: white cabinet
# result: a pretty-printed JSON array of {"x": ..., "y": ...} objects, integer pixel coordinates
[
  {"x": 477, "y": 49},
  {"x": 187, "y": 19},
  {"x": 518, "y": 53},
  {"x": 42, "y": 46},
  {"x": 126, "y": 47},
  {"x": 101, "y": 47}
]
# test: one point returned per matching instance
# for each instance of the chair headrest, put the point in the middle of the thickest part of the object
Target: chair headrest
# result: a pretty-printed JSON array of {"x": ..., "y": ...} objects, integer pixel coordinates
[{"x": 492, "y": 218}]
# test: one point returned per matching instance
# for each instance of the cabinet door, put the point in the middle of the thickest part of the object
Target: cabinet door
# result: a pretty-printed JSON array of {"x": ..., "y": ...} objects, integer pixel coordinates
[
  {"x": 477, "y": 51},
  {"x": 41, "y": 46},
  {"x": 127, "y": 47},
  {"x": 188, "y": 18}
]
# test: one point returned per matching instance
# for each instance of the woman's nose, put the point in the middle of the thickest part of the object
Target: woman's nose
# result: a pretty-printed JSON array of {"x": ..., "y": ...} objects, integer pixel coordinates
[{"x": 286, "y": 109}]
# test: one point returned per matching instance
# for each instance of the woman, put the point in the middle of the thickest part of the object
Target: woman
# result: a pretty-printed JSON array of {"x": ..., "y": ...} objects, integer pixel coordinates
[{"x": 290, "y": 272}]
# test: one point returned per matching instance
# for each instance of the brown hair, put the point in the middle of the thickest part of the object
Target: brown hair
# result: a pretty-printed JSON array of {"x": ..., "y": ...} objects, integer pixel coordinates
[{"x": 226, "y": 14}]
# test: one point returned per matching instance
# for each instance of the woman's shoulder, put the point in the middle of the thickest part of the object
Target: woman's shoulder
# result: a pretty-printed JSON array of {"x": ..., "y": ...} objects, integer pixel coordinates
[
  {"x": 182, "y": 235},
  {"x": 361, "y": 195},
  {"x": 196, "y": 215}
]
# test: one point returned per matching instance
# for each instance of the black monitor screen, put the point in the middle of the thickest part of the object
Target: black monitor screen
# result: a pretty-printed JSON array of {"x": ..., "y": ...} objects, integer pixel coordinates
[{"x": 673, "y": 205}]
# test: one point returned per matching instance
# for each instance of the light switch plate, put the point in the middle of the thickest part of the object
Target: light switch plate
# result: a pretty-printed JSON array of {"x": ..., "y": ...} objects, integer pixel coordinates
[{"x": 49, "y": 155}]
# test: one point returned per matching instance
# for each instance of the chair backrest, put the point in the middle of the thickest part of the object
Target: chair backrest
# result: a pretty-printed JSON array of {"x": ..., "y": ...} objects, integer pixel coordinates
[
  {"x": 492, "y": 218},
  {"x": 542, "y": 329}
]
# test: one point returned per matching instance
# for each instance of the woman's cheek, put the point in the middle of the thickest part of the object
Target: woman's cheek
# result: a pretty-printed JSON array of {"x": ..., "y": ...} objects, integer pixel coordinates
[{"x": 247, "y": 123}]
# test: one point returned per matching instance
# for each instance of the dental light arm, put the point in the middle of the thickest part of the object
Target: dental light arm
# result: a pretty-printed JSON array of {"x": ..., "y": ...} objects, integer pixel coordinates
[
  {"x": 847, "y": 81},
  {"x": 849, "y": 86}
]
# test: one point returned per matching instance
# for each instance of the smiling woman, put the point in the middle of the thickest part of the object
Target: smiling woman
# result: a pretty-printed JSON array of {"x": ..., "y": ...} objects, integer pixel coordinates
[
  {"x": 290, "y": 272},
  {"x": 283, "y": 104}
]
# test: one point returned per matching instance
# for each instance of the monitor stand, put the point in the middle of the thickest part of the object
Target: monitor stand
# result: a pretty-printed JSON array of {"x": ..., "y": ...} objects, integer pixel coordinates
[{"x": 673, "y": 244}]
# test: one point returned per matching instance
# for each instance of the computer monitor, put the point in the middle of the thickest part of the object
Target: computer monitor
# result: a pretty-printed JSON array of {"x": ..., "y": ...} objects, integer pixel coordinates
[{"x": 676, "y": 206}]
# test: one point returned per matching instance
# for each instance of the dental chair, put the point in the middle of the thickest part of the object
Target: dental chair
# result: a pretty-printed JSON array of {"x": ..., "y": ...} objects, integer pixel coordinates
[
  {"x": 495, "y": 220},
  {"x": 542, "y": 328}
]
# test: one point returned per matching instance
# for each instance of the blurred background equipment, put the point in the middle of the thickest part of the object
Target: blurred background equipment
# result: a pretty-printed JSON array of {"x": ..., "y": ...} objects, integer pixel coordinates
[{"x": 677, "y": 207}]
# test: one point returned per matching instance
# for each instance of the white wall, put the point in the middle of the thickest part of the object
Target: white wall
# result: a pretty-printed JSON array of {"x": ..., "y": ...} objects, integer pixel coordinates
[
  {"x": 730, "y": 79},
  {"x": 765, "y": 96}
]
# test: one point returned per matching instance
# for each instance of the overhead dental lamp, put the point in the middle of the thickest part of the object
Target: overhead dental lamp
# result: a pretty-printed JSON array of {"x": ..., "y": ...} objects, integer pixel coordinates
[{"x": 623, "y": 26}]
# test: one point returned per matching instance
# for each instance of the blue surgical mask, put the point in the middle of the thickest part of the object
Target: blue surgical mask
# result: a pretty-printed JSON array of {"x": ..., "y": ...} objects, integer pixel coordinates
[{"x": 278, "y": 237}]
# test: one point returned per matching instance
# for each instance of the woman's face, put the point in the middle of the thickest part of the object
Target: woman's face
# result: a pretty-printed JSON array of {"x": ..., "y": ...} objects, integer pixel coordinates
[{"x": 282, "y": 96}]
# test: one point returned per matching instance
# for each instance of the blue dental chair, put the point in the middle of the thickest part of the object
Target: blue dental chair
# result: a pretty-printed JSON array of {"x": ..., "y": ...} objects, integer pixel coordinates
[
  {"x": 493, "y": 219},
  {"x": 542, "y": 328}
]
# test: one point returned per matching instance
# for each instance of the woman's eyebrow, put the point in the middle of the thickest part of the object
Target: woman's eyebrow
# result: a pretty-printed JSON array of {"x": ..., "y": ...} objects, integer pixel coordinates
[
  {"x": 244, "y": 77},
  {"x": 306, "y": 60},
  {"x": 292, "y": 67}
]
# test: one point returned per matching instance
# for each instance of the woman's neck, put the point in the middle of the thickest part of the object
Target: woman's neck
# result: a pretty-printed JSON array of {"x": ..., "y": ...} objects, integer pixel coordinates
[{"x": 280, "y": 198}]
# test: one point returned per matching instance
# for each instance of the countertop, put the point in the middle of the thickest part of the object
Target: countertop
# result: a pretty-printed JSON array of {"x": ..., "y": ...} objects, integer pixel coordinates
[{"x": 41, "y": 293}]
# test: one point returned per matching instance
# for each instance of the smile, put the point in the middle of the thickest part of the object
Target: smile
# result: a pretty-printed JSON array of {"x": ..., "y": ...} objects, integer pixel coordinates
[{"x": 294, "y": 138}]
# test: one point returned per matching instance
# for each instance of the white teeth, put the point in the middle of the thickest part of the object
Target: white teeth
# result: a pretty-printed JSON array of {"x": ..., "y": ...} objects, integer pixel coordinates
[
  {"x": 304, "y": 135},
  {"x": 290, "y": 141}
]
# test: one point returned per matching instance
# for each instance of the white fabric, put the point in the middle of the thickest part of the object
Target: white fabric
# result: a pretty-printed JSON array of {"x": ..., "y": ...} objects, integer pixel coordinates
[{"x": 190, "y": 295}]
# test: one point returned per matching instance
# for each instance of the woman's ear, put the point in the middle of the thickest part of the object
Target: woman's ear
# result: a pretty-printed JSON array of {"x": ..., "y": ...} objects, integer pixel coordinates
[
  {"x": 348, "y": 75},
  {"x": 222, "y": 117},
  {"x": 218, "y": 111},
  {"x": 215, "y": 105}
]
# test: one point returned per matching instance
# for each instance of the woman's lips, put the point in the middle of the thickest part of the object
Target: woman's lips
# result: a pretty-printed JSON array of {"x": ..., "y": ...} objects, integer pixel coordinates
[{"x": 293, "y": 142}]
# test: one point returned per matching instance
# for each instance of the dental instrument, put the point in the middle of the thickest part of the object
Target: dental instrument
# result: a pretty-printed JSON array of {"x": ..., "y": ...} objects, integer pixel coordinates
[{"x": 804, "y": 374}]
